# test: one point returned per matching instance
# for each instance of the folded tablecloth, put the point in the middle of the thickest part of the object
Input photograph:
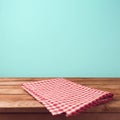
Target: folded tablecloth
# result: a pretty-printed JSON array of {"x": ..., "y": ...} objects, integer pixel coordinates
[{"x": 64, "y": 96}]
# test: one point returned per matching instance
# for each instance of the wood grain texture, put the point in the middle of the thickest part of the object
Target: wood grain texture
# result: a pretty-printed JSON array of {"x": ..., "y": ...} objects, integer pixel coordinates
[{"x": 14, "y": 99}]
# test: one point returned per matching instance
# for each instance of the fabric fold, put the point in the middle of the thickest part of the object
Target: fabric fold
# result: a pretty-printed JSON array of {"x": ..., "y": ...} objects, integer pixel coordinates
[{"x": 64, "y": 96}]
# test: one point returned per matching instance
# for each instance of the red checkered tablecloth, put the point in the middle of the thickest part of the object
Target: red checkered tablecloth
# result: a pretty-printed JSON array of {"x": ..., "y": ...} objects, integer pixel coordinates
[{"x": 63, "y": 96}]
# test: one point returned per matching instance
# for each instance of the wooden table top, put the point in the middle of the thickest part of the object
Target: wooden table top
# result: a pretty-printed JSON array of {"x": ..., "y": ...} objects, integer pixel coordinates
[{"x": 14, "y": 99}]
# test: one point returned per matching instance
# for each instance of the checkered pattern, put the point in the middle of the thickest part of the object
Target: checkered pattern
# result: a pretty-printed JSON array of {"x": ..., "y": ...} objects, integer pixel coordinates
[{"x": 63, "y": 96}]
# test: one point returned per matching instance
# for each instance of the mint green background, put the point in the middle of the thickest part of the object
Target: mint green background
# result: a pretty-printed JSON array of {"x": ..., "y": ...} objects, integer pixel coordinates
[{"x": 58, "y": 38}]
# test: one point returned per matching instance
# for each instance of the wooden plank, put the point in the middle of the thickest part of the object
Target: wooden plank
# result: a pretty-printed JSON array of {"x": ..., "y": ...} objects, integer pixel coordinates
[
  {"x": 116, "y": 97},
  {"x": 44, "y": 78},
  {"x": 29, "y": 105},
  {"x": 72, "y": 79},
  {"x": 107, "y": 86},
  {"x": 14, "y": 101},
  {"x": 10, "y": 87},
  {"x": 117, "y": 86},
  {"x": 97, "y": 82},
  {"x": 29, "y": 97},
  {"x": 23, "y": 92},
  {"x": 84, "y": 81},
  {"x": 38, "y": 116},
  {"x": 12, "y": 83},
  {"x": 12, "y": 91},
  {"x": 113, "y": 106},
  {"x": 16, "y": 97},
  {"x": 89, "y": 82},
  {"x": 94, "y": 79},
  {"x": 20, "y": 104},
  {"x": 24, "y": 79}
]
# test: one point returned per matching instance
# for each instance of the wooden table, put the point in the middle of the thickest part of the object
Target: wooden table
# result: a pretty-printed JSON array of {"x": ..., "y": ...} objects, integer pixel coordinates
[{"x": 17, "y": 104}]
